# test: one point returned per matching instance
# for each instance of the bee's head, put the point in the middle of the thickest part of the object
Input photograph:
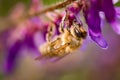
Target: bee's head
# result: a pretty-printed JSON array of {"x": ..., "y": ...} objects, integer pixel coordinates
[{"x": 78, "y": 31}]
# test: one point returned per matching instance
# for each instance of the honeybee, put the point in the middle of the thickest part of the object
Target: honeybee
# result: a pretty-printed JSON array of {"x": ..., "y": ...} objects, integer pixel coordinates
[{"x": 69, "y": 40}]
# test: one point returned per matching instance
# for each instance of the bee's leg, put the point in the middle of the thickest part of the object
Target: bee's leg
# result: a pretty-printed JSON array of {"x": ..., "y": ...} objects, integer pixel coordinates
[
  {"x": 63, "y": 46},
  {"x": 57, "y": 51},
  {"x": 58, "y": 58},
  {"x": 63, "y": 22},
  {"x": 55, "y": 42},
  {"x": 61, "y": 49},
  {"x": 61, "y": 27},
  {"x": 50, "y": 33}
]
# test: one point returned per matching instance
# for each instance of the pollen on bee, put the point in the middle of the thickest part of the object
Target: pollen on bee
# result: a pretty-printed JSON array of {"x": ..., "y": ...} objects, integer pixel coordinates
[{"x": 62, "y": 44}]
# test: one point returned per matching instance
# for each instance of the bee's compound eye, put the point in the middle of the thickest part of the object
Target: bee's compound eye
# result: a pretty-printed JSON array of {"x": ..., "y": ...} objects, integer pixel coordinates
[
  {"x": 80, "y": 34},
  {"x": 84, "y": 34},
  {"x": 77, "y": 33}
]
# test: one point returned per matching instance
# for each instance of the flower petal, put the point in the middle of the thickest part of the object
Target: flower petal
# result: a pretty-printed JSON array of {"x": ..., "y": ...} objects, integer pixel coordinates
[
  {"x": 116, "y": 26},
  {"x": 12, "y": 56},
  {"x": 116, "y": 22},
  {"x": 117, "y": 9},
  {"x": 99, "y": 40},
  {"x": 108, "y": 9},
  {"x": 77, "y": 16},
  {"x": 93, "y": 20}
]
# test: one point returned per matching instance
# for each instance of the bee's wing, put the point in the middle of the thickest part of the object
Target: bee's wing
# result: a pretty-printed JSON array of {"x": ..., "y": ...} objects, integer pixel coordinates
[
  {"x": 40, "y": 57},
  {"x": 58, "y": 58},
  {"x": 53, "y": 59}
]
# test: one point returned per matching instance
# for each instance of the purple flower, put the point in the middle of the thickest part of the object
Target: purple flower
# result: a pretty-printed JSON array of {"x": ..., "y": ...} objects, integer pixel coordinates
[
  {"x": 23, "y": 36},
  {"x": 10, "y": 61},
  {"x": 74, "y": 10},
  {"x": 55, "y": 18},
  {"x": 91, "y": 13}
]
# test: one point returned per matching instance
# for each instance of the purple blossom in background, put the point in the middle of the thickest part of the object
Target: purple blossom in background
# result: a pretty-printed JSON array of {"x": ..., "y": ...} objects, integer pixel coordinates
[{"x": 22, "y": 35}]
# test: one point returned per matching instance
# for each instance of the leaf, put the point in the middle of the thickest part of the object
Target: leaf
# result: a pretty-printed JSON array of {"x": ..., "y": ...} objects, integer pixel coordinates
[
  {"x": 117, "y": 4},
  {"x": 7, "y": 5},
  {"x": 49, "y": 2}
]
